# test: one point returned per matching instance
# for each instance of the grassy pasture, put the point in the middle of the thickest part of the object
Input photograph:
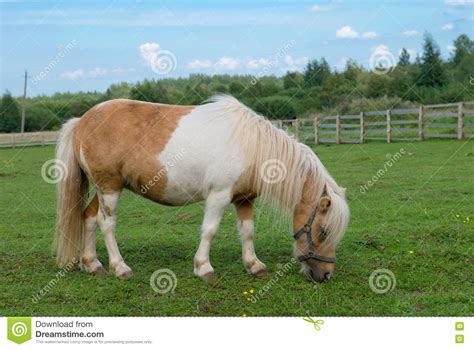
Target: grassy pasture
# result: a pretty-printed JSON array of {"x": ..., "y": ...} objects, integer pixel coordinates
[{"x": 416, "y": 220}]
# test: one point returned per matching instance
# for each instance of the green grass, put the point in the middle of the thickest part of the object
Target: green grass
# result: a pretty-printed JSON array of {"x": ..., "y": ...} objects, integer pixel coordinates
[{"x": 412, "y": 207}]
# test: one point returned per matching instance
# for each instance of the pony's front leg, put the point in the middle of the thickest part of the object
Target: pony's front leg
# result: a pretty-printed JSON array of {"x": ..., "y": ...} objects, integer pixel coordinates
[
  {"x": 216, "y": 204},
  {"x": 245, "y": 225}
]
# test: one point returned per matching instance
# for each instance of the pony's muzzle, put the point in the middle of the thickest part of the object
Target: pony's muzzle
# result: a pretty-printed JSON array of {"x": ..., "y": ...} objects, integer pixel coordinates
[{"x": 317, "y": 271}]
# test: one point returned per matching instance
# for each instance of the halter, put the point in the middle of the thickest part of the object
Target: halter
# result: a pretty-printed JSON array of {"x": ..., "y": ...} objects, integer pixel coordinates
[{"x": 306, "y": 229}]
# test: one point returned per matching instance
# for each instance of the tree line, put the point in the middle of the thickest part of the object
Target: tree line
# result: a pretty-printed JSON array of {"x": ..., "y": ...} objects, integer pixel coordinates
[{"x": 425, "y": 79}]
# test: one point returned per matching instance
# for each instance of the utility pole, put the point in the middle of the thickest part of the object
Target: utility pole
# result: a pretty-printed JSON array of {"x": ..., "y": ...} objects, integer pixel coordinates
[{"x": 23, "y": 109}]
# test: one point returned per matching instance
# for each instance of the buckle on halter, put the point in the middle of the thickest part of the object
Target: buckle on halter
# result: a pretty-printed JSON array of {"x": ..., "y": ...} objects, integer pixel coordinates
[{"x": 307, "y": 228}]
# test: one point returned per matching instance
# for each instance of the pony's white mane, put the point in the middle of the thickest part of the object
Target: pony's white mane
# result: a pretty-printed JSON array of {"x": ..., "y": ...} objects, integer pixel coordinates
[{"x": 280, "y": 165}]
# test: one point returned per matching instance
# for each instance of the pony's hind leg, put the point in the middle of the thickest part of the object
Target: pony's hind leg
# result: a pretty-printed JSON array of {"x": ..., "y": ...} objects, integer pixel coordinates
[
  {"x": 89, "y": 261},
  {"x": 245, "y": 225},
  {"x": 107, "y": 218},
  {"x": 216, "y": 204}
]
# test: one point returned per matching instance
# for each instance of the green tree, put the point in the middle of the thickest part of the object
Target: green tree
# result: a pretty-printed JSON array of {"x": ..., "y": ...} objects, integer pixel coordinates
[
  {"x": 404, "y": 58},
  {"x": 10, "y": 120},
  {"x": 432, "y": 70},
  {"x": 276, "y": 107},
  {"x": 293, "y": 80},
  {"x": 316, "y": 72},
  {"x": 463, "y": 46},
  {"x": 149, "y": 91}
]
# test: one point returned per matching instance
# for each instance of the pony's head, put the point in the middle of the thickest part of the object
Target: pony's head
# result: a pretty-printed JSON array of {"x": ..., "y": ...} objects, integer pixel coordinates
[{"x": 318, "y": 229}]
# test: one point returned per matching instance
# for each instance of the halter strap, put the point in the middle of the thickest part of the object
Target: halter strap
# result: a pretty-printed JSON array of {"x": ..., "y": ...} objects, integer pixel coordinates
[{"x": 306, "y": 229}]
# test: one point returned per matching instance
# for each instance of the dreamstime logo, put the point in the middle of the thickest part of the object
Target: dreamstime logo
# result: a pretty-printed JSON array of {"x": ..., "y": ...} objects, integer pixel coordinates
[
  {"x": 52, "y": 283},
  {"x": 19, "y": 329},
  {"x": 382, "y": 61},
  {"x": 162, "y": 172},
  {"x": 391, "y": 159},
  {"x": 281, "y": 53},
  {"x": 382, "y": 281},
  {"x": 62, "y": 52},
  {"x": 163, "y": 281},
  {"x": 273, "y": 171},
  {"x": 53, "y": 171},
  {"x": 282, "y": 270},
  {"x": 164, "y": 62}
]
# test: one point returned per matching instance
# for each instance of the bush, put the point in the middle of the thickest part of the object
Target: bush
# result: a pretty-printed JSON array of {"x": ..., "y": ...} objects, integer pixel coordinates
[
  {"x": 276, "y": 107},
  {"x": 39, "y": 119}
]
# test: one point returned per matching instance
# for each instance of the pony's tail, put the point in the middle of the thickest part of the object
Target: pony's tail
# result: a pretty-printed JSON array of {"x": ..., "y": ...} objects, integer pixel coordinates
[{"x": 71, "y": 196}]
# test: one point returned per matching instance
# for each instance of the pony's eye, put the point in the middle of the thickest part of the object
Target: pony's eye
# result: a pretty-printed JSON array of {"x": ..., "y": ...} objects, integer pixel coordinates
[{"x": 323, "y": 233}]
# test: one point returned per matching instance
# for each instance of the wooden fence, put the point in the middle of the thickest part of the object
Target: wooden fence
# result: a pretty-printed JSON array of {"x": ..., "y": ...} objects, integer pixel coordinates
[
  {"x": 452, "y": 120},
  {"x": 28, "y": 138}
]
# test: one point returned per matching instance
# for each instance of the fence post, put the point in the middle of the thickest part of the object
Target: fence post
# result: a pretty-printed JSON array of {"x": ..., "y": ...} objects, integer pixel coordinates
[
  {"x": 280, "y": 124},
  {"x": 316, "y": 129},
  {"x": 421, "y": 115},
  {"x": 461, "y": 120},
  {"x": 297, "y": 129},
  {"x": 362, "y": 127},
  {"x": 389, "y": 125},
  {"x": 338, "y": 129}
]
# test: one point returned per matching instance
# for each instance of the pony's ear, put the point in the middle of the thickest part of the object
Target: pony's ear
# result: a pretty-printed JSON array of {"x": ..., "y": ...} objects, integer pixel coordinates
[
  {"x": 324, "y": 204},
  {"x": 344, "y": 191}
]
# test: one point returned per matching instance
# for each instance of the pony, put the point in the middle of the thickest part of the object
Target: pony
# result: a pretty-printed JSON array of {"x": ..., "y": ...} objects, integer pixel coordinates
[{"x": 220, "y": 152}]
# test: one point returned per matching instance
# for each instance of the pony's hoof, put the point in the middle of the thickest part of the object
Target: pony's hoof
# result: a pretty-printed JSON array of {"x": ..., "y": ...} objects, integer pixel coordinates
[
  {"x": 94, "y": 268},
  {"x": 125, "y": 275},
  {"x": 208, "y": 276},
  {"x": 123, "y": 272},
  {"x": 261, "y": 273},
  {"x": 258, "y": 269},
  {"x": 99, "y": 271}
]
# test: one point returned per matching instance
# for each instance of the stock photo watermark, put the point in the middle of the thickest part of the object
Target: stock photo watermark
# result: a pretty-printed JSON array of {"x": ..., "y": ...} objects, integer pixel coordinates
[
  {"x": 282, "y": 270},
  {"x": 162, "y": 172},
  {"x": 391, "y": 160},
  {"x": 35, "y": 298},
  {"x": 382, "y": 281},
  {"x": 163, "y": 281},
  {"x": 273, "y": 171},
  {"x": 63, "y": 52},
  {"x": 54, "y": 171}
]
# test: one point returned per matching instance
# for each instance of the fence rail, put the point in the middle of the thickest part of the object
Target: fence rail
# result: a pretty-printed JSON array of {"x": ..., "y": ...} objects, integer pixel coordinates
[
  {"x": 28, "y": 138},
  {"x": 450, "y": 120}
]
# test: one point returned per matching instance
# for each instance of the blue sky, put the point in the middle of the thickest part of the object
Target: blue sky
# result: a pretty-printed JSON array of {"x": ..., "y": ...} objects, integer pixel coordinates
[{"x": 88, "y": 45}]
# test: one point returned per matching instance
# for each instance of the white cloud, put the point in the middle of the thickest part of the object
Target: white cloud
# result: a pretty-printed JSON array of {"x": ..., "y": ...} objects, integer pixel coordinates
[
  {"x": 149, "y": 52},
  {"x": 227, "y": 63},
  {"x": 413, "y": 53},
  {"x": 459, "y": 2},
  {"x": 346, "y": 32},
  {"x": 411, "y": 33},
  {"x": 321, "y": 8},
  {"x": 75, "y": 74},
  {"x": 197, "y": 64},
  {"x": 80, "y": 73},
  {"x": 448, "y": 26},
  {"x": 96, "y": 72},
  {"x": 380, "y": 48},
  {"x": 450, "y": 48},
  {"x": 257, "y": 63},
  {"x": 369, "y": 35},
  {"x": 294, "y": 64},
  {"x": 341, "y": 64}
]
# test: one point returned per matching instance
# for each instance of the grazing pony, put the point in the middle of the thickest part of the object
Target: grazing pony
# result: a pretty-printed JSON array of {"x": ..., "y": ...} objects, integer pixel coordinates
[{"x": 221, "y": 152}]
